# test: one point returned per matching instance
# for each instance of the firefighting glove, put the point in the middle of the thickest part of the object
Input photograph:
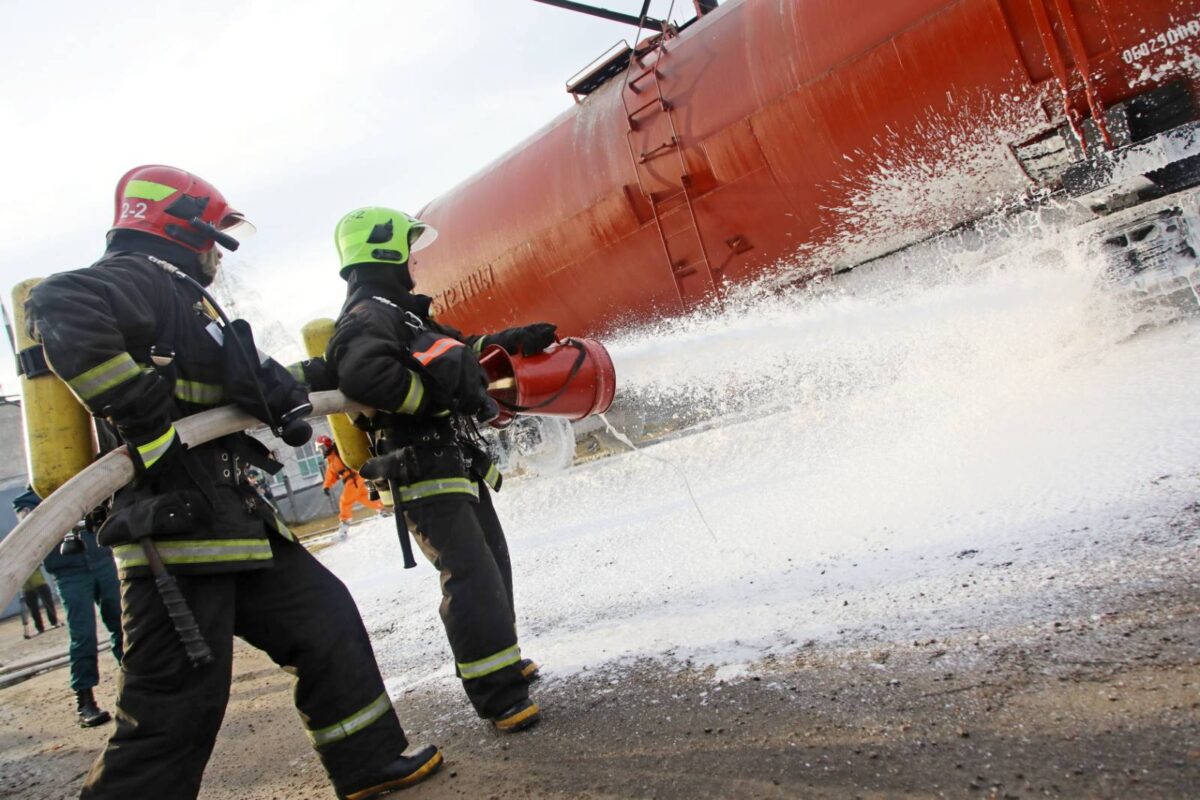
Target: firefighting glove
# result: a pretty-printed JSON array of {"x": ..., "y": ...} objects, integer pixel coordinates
[
  {"x": 280, "y": 389},
  {"x": 142, "y": 417},
  {"x": 528, "y": 340},
  {"x": 473, "y": 399},
  {"x": 314, "y": 373},
  {"x": 488, "y": 411}
]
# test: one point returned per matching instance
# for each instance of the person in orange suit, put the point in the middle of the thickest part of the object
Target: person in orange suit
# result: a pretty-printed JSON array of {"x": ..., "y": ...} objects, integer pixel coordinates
[{"x": 354, "y": 488}]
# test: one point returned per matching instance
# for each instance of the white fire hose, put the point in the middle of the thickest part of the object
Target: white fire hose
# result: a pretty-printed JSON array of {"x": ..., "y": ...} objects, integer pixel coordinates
[{"x": 41, "y": 531}]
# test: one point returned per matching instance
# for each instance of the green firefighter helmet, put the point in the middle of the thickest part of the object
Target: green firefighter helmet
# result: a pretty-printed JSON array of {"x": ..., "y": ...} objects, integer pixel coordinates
[{"x": 376, "y": 235}]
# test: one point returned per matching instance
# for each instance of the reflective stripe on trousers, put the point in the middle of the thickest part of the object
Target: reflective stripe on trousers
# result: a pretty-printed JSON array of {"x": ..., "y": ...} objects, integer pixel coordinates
[
  {"x": 352, "y": 724},
  {"x": 493, "y": 663}
]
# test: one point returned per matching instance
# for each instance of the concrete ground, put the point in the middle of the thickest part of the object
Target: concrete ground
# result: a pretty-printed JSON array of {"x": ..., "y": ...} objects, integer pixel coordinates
[{"x": 1091, "y": 705}]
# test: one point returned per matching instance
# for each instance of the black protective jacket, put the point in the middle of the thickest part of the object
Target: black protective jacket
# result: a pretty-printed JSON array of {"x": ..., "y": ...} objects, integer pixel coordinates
[
  {"x": 426, "y": 381},
  {"x": 141, "y": 349}
]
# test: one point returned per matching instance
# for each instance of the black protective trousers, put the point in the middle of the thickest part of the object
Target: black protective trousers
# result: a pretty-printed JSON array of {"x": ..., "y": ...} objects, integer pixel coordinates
[
  {"x": 465, "y": 542},
  {"x": 168, "y": 713}
]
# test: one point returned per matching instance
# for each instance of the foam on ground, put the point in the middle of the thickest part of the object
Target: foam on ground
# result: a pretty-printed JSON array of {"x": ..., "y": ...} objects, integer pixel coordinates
[{"x": 890, "y": 445}]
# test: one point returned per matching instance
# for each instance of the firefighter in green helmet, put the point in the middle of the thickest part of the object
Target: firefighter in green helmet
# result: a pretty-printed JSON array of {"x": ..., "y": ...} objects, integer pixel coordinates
[{"x": 425, "y": 379}]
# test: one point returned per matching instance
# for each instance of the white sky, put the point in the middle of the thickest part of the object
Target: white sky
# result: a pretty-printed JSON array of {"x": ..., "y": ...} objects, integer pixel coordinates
[{"x": 298, "y": 111}]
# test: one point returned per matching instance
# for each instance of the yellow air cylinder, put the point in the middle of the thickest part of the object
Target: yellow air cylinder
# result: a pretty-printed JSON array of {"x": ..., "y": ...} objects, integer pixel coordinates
[
  {"x": 352, "y": 443},
  {"x": 58, "y": 429}
]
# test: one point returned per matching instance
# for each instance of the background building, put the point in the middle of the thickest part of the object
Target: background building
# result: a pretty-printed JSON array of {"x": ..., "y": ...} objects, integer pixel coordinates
[{"x": 296, "y": 489}]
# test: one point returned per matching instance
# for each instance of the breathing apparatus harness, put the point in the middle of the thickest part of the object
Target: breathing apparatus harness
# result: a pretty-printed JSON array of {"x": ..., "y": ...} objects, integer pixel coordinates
[{"x": 290, "y": 426}]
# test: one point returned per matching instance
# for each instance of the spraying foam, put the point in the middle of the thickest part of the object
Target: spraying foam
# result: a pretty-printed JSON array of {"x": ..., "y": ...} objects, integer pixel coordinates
[{"x": 992, "y": 401}]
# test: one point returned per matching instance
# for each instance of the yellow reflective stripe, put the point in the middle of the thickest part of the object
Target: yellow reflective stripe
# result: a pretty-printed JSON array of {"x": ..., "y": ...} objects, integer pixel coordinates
[
  {"x": 352, "y": 724},
  {"x": 103, "y": 377},
  {"x": 419, "y": 491},
  {"x": 209, "y": 394},
  {"x": 151, "y": 452},
  {"x": 493, "y": 663},
  {"x": 416, "y": 393},
  {"x": 478, "y": 346},
  {"x": 492, "y": 478},
  {"x": 199, "y": 551},
  {"x": 148, "y": 190}
]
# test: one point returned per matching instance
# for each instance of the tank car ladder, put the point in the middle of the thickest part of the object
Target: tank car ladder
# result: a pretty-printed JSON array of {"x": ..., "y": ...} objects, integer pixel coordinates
[{"x": 680, "y": 267}]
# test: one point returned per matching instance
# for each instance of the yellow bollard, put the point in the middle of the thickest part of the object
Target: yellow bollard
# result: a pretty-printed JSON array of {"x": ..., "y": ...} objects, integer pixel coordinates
[{"x": 59, "y": 440}]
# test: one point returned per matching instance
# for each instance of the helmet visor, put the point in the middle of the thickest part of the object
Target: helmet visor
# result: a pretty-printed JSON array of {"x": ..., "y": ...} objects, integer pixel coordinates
[
  {"x": 420, "y": 237},
  {"x": 236, "y": 226}
]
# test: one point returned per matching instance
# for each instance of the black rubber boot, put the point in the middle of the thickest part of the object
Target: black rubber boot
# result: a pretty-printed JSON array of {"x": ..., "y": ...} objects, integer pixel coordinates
[
  {"x": 90, "y": 715},
  {"x": 518, "y": 718},
  {"x": 529, "y": 669},
  {"x": 402, "y": 773}
]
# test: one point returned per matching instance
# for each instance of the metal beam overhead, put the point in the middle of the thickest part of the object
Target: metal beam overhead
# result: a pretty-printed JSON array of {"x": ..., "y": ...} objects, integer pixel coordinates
[{"x": 615, "y": 16}]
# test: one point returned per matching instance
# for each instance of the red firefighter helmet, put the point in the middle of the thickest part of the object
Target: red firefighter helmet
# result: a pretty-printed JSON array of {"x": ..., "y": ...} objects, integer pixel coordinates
[
  {"x": 326, "y": 444},
  {"x": 176, "y": 205}
]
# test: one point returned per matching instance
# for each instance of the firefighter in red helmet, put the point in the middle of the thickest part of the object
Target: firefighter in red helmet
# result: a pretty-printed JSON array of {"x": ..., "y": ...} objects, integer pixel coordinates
[
  {"x": 354, "y": 488},
  {"x": 142, "y": 344}
]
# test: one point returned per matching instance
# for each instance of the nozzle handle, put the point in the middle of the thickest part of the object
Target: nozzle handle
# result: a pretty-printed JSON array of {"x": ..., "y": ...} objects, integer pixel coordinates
[
  {"x": 401, "y": 527},
  {"x": 182, "y": 620},
  {"x": 198, "y": 651}
]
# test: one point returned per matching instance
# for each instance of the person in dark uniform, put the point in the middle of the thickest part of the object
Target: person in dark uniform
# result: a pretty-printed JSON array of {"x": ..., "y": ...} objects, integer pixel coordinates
[
  {"x": 35, "y": 593},
  {"x": 86, "y": 578},
  {"x": 425, "y": 379},
  {"x": 142, "y": 346}
]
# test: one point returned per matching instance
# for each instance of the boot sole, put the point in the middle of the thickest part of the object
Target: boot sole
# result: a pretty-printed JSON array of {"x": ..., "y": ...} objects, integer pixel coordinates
[
  {"x": 519, "y": 721},
  {"x": 422, "y": 772}
]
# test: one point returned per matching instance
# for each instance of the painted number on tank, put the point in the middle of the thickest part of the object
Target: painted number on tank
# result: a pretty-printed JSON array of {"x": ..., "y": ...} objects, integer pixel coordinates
[
  {"x": 1168, "y": 38},
  {"x": 134, "y": 211}
]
